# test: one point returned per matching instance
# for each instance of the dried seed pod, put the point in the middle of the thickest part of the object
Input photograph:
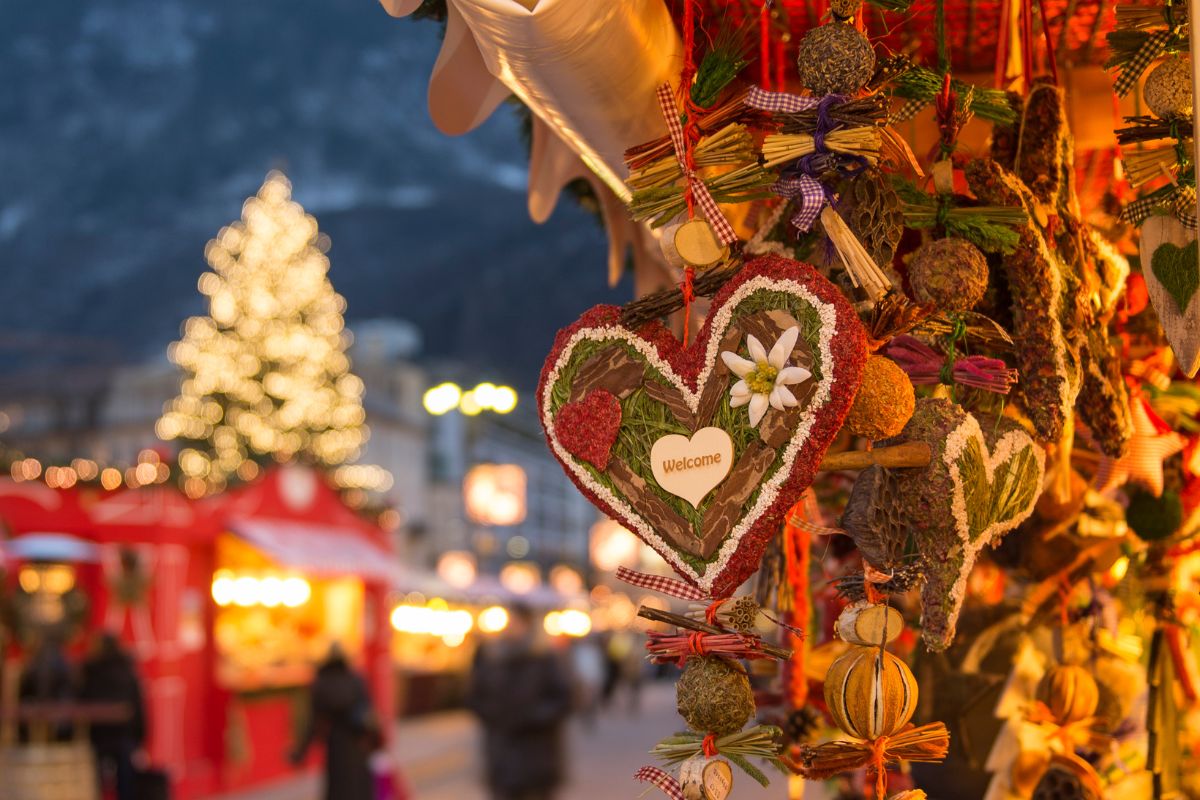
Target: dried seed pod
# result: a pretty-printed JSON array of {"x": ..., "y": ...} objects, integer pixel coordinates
[
  {"x": 874, "y": 518},
  {"x": 1049, "y": 358},
  {"x": 845, "y": 9},
  {"x": 1168, "y": 88},
  {"x": 835, "y": 58},
  {"x": 1060, "y": 783},
  {"x": 884, "y": 402},
  {"x": 1070, "y": 692},
  {"x": 871, "y": 209},
  {"x": 868, "y": 624},
  {"x": 870, "y": 692},
  {"x": 950, "y": 273},
  {"x": 713, "y": 696}
]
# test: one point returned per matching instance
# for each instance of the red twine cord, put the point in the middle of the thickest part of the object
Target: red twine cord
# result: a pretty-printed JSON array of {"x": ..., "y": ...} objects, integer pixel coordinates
[
  {"x": 1002, "y": 46},
  {"x": 688, "y": 288},
  {"x": 879, "y": 766},
  {"x": 677, "y": 648},
  {"x": 710, "y": 613},
  {"x": 797, "y": 547},
  {"x": 1051, "y": 61},
  {"x": 1027, "y": 42},
  {"x": 691, "y": 134},
  {"x": 710, "y": 745},
  {"x": 764, "y": 46}
]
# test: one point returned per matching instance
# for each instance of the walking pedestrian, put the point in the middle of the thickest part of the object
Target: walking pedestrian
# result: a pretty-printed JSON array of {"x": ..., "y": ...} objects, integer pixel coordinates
[
  {"x": 109, "y": 676},
  {"x": 342, "y": 717},
  {"x": 522, "y": 695}
]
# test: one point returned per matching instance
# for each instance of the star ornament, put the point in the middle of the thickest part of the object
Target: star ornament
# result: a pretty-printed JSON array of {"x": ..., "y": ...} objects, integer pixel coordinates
[{"x": 1143, "y": 464}]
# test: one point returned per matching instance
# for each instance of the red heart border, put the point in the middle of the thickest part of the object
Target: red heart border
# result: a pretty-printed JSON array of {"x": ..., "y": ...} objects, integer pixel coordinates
[{"x": 741, "y": 552}]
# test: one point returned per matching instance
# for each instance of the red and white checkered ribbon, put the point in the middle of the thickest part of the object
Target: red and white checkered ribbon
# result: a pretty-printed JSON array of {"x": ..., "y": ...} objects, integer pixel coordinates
[
  {"x": 803, "y": 186},
  {"x": 720, "y": 225},
  {"x": 779, "y": 102},
  {"x": 662, "y": 780},
  {"x": 661, "y": 584}
]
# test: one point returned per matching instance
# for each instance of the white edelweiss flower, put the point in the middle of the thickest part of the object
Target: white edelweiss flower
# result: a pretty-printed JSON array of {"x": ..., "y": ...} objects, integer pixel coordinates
[{"x": 764, "y": 378}]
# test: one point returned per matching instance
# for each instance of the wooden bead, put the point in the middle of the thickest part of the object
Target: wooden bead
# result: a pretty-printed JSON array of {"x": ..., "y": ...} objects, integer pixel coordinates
[
  {"x": 870, "y": 692},
  {"x": 868, "y": 624},
  {"x": 1070, "y": 692}
]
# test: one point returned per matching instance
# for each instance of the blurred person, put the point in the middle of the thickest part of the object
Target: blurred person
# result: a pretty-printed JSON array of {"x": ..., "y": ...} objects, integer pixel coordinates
[
  {"x": 45, "y": 679},
  {"x": 625, "y": 668},
  {"x": 109, "y": 676},
  {"x": 520, "y": 691},
  {"x": 342, "y": 717},
  {"x": 589, "y": 670}
]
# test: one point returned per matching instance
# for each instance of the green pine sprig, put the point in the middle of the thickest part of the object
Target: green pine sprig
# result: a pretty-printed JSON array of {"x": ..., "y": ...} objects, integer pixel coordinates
[
  {"x": 720, "y": 65},
  {"x": 922, "y": 83}
]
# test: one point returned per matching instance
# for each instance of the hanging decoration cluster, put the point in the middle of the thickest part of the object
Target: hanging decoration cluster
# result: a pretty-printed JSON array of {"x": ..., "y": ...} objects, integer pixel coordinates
[{"x": 900, "y": 403}]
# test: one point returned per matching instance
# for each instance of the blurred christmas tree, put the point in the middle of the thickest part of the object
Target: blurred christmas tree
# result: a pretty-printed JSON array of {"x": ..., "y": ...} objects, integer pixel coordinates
[{"x": 267, "y": 373}]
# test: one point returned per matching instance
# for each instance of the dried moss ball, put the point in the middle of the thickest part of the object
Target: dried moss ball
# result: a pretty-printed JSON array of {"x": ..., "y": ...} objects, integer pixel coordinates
[
  {"x": 714, "y": 696},
  {"x": 1168, "y": 88},
  {"x": 835, "y": 58},
  {"x": 950, "y": 273},
  {"x": 884, "y": 403},
  {"x": 1154, "y": 518},
  {"x": 845, "y": 9}
]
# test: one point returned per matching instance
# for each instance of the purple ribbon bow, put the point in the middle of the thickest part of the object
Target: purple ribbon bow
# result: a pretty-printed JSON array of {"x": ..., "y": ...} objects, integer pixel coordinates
[{"x": 800, "y": 180}]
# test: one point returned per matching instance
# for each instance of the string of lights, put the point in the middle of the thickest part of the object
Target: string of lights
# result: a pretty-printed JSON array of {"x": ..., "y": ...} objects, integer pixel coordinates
[{"x": 267, "y": 372}]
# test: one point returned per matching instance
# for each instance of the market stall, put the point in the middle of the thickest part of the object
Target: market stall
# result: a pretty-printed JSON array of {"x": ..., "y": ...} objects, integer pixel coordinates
[{"x": 226, "y": 604}]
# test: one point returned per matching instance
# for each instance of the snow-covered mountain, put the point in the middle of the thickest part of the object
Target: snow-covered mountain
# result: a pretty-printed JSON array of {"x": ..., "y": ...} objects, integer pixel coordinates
[{"x": 131, "y": 131}]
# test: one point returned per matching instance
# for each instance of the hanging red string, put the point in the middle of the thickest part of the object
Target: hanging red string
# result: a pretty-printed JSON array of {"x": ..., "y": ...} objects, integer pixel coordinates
[
  {"x": 764, "y": 45},
  {"x": 691, "y": 134},
  {"x": 1027, "y": 42},
  {"x": 797, "y": 545},
  {"x": 780, "y": 60},
  {"x": 689, "y": 295},
  {"x": 1003, "y": 44},
  {"x": 1051, "y": 60}
]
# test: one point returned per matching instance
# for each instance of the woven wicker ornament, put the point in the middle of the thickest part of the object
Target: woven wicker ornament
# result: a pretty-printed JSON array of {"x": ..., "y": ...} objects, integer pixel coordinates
[{"x": 870, "y": 692}]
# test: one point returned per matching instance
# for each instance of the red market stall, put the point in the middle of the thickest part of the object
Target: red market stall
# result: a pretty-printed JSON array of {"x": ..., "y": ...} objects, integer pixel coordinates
[{"x": 227, "y": 604}]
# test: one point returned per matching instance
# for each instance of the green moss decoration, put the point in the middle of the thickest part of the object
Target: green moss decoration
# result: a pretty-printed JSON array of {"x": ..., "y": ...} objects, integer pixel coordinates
[
  {"x": 714, "y": 696},
  {"x": 1154, "y": 518},
  {"x": 1178, "y": 270}
]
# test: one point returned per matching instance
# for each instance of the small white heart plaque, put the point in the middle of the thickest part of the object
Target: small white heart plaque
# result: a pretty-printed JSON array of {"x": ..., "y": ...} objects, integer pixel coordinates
[{"x": 691, "y": 468}]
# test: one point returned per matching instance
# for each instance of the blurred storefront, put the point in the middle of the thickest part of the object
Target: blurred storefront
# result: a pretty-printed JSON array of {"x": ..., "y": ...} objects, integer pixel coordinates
[{"x": 226, "y": 604}]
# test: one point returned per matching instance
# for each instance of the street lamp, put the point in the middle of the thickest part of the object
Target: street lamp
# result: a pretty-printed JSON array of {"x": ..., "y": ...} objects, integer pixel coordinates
[{"x": 445, "y": 397}]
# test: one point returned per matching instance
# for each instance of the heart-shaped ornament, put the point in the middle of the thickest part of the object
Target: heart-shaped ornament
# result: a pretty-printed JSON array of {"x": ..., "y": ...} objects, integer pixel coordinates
[
  {"x": 774, "y": 369},
  {"x": 982, "y": 481},
  {"x": 691, "y": 468},
  {"x": 1169, "y": 248},
  {"x": 588, "y": 427}
]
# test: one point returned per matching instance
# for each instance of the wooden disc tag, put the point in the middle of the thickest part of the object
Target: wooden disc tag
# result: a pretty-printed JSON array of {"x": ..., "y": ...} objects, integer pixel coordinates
[
  {"x": 704, "y": 778},
  {"x": 698, "y": 245},
  {"x": 869, "y": 624}
]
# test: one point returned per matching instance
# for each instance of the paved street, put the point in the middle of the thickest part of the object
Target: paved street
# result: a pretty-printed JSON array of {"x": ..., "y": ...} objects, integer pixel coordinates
[{"x": 439, "y": 754}]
